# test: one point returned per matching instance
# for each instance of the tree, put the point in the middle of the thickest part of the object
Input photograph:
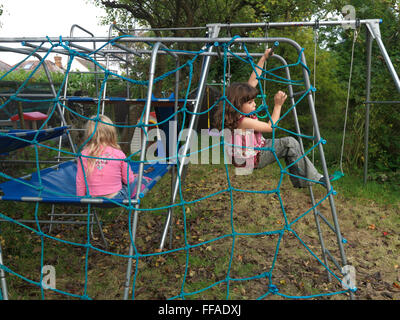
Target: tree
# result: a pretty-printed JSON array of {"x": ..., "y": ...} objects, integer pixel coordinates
[
  {"x": 333, "y": 51},
  {"x": 176, "y": 14},
  {"x": 384, "y": 142},
  {"x": 1, "y": 13}
]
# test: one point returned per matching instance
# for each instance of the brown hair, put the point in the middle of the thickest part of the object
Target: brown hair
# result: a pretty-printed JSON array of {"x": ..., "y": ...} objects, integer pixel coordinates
[
  {"x": 237, "y": 94},
  {"x": 105, "y": 134}
]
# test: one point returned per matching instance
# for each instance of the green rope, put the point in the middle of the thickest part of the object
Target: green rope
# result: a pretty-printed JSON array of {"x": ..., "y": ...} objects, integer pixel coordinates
[{"x": 233, "y": 234}]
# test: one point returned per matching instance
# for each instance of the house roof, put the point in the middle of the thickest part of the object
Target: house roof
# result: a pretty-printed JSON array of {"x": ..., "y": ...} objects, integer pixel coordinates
[
  {"x": 88, "y": 64},
  {"x": 4, "y": 66},
  {"x": 78, "y": 64},
  {"x": 32, "y": 64}
]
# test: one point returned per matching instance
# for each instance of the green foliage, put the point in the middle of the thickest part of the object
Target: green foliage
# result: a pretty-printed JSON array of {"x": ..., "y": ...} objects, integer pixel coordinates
[
  {"x": 21, "y": 75},
  {"x": 384, "y": 147},
  {"x": 332, "y": 67}
]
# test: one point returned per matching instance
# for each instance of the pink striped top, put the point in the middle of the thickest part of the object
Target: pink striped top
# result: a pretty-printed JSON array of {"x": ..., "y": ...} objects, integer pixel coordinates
[{"x": 250, "y": 139}]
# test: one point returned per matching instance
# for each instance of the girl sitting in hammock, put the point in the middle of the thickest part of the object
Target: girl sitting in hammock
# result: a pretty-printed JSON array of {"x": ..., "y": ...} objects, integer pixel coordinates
[{"x": 102, "y": 163}]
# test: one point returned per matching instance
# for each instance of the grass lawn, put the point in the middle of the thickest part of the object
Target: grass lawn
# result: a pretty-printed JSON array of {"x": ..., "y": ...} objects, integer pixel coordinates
[{"x": 227, "y": 246}]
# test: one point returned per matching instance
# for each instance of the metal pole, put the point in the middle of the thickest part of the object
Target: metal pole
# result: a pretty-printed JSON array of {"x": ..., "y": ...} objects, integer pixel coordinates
[
  {"x": 367, "y": 105},
  {"x": 103, "y": 104},
  {"x": 297, "y": 24},
  {"x": 323, "y": 161},
  {"x": 141, "y": 165},
  {"x": 373, "y": 27},
  {"x": 94, "y": 49},
  {"x": 200, "y": 91},
  {"x": 4, "y": 291},
  {"x": 173, "y": 141},
  {"x": 60, "y": 111},
  {"x": 204, "y": 40},
  {"x": 298, "y": 130}
]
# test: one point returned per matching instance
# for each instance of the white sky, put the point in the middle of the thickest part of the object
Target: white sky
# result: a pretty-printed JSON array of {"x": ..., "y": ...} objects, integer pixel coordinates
[{"x": 41, "y": 18}]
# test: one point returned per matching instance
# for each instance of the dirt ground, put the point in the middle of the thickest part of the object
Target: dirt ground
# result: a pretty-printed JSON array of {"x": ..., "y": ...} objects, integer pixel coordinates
[{"x": 243, "y": 242}]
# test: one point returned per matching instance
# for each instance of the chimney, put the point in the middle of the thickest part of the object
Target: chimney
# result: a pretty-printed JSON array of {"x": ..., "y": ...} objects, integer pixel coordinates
[{"x": 57, "y": 61}]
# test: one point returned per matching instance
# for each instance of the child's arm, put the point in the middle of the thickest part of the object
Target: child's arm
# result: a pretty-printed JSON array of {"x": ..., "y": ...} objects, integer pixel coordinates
[
  {"x": 261, "y": 126},
  {"x": 80, "y": 179},
  {"x": 253, "y": 81},
  {"x": 124, "y": 171}
]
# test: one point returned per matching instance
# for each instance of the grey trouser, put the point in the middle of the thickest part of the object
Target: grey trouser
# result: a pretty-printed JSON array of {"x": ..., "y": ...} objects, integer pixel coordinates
[{"x": 289, "y": 149}]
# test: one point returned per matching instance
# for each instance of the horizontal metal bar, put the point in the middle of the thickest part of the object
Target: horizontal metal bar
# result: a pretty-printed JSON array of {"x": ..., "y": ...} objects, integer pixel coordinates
[
  {"x": 145, "y": 39},
  {"x": 87, "y": 72},
  {"x": 85, "y": 49},
  {"x": 69, "y": 215},
  {"x": 43, "y": 49},
  {"x": 127, "y": 50},
  {"x": 159, "y": 29},
  {"x": 6, "y": 122},
  {"x": 24, "y": 95},
  {"x": 29, "y": 161},
  {"x": 261, "y": 24},
  {"x": 295, "y": 24},
  {"x": 51, "y": 221},
  {"x": 83, "y": 201},
  {"x": 381, "y": 102},
  {"x": 88, "y": 99},
  {"x": 113, "y": 52}
]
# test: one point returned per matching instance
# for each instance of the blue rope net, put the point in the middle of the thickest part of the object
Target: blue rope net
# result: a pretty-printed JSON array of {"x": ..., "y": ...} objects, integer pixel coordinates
[{"x": 271, "y": 286}]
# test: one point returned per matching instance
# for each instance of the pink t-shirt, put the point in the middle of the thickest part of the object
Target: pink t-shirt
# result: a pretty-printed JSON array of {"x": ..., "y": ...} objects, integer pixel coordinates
[
  {"x": 249, "y": 139},
  {"x": 107, "y": 175}
]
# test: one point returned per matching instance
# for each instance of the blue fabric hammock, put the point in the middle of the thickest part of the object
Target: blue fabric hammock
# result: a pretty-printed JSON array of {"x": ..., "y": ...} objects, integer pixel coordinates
[
  {"x": 14, "y": 139},
  {"x": 58, "y": 185}
]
